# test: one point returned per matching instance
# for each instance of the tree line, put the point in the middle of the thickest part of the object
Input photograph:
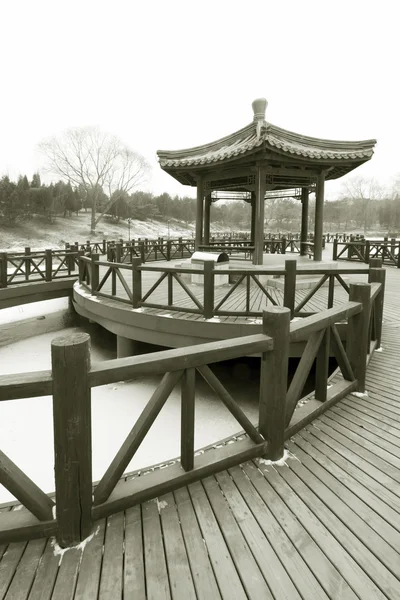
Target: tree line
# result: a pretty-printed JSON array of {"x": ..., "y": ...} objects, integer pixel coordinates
[{"x": 358, "y": 208}]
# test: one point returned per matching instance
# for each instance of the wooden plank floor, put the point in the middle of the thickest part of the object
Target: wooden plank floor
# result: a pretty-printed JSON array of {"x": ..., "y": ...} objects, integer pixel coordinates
[{"x": 324, "y": 525}]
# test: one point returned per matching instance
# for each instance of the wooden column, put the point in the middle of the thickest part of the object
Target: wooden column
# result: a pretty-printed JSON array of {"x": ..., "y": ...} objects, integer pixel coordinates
[
  {"x": 207, "y": 221},
  {"x": 70, "y": 357},
  {"x": 319, "y": 216},
  {"x": 304, "y": 220},
  {"x": 259, "y": 217},
  {"x": 253, "y": 215},
  {"x": 199, "y": 214}
]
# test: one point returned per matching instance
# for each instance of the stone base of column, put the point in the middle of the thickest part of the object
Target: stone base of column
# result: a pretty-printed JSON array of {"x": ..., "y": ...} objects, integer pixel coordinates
[{"x": 126, "y": 347}]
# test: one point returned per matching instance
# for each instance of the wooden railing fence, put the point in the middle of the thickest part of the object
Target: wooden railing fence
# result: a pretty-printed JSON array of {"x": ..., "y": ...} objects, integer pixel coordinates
[
  {"x": 72, "y": 376},
  {"x": 18, "y": 268},
  {"x": 365, "y": 250},
  {"x": 165, "y": 293}
]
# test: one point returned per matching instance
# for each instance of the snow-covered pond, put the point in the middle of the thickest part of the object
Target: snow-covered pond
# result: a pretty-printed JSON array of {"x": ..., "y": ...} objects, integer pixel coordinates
[{"x": 26, "y": 429}]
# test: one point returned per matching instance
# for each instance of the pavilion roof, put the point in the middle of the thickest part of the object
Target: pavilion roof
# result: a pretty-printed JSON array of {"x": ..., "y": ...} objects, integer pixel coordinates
[{"x": 261, "y": 136}]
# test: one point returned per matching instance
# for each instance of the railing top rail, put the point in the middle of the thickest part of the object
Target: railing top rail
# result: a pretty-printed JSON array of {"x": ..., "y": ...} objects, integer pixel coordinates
[
  {"x": 299, "y": 329},
  {"x": 39, "y": 383},
  {"x": 178, "y": 358}
]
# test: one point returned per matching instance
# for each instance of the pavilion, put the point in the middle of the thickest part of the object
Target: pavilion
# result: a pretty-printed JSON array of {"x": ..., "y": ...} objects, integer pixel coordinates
[{"x": 261, "y": 159}]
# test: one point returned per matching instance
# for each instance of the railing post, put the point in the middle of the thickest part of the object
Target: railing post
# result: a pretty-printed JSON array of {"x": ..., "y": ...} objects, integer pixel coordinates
[
  {"x": 367, "y": 249},
  {"x": 71, "y": 258},
  {"x": 104, "y": 246},
  {"x": 273, "y": 380},
  {"x": 95, "y": 273},
  {"x": 3, "y": 269},
  {"x": 357, "y": 341},
  {"x": 208, "y": 289},
  {"x": 378, "y": 276},
  {"x": 375, "y": 263},
  {"x": 136, "y": 283},
  {"x": 168, "y": 249},
  {"x": 187, "y": 418},
  {"x": 142, "y": 252},
  {"x": 70, "y": 358},
  {"x": 49, "y": 264},
  {"x": 335, "y": 248},
  {"x": 81, "y": 266},
  {"x": 289, "y": 292},
  {"x": 118, "y": 252},
  {"x": 322, "y": 368},
  {"x": 27, "y": 263}
]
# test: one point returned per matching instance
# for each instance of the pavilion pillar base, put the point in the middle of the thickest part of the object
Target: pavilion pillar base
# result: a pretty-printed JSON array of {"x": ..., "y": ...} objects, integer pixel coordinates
[{"x": 127, "y": 347}]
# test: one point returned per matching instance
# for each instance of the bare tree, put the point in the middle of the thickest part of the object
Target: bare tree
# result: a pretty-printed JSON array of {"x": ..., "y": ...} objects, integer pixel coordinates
[
  {"x": 363, "y": 194},
  {"x": 96, "y": 162}
]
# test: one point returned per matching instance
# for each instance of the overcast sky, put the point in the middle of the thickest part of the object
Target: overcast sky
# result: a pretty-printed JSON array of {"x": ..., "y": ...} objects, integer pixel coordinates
[{"x": 174, "y": 74}]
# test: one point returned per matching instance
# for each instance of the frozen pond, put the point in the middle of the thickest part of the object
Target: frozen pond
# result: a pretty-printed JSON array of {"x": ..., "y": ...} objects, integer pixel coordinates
[{"x": 26, "y": 429}]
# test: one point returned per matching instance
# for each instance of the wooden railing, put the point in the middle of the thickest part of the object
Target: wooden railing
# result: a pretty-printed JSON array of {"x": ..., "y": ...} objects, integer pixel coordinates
[
  {"x": 364, "y": 250},
  {"x": 72, "y": 377},
  {"x": 165, "y": 293},
  {"x": 18, "y": 268}
]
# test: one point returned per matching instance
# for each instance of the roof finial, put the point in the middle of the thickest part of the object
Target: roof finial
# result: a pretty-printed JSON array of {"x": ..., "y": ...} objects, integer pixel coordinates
[{"x": 259, "y": 107}]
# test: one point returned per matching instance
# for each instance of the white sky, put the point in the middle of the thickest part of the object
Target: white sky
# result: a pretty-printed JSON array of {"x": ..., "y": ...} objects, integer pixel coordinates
[{"x": 175, "y": 74}]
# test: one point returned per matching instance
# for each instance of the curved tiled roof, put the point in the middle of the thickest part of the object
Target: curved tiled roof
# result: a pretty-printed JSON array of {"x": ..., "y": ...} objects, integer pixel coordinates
[{"x": 263, "y": 134}]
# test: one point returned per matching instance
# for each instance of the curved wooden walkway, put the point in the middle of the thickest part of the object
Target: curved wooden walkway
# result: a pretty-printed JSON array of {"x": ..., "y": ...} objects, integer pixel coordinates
[{"x": 324, "y": 525}]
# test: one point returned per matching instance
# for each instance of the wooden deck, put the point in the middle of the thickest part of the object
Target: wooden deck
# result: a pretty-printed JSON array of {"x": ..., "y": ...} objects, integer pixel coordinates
[{"x": 324, "y": 525}]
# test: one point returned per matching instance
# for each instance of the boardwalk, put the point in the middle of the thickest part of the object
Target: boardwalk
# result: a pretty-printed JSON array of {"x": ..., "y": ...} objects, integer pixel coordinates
[{"x": 326, "y": 524}]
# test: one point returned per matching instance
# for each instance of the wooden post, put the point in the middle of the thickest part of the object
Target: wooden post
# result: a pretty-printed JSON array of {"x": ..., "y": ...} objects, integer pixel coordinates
[
  {"x": 3, "y": 269},
  {"x": 187, "y": 418},
  {"x": 136, "y": 283},
  {"x": 118, "y": 252},
  {"x": 358, "y": 333},
  {"x": 199, "y": 213},
  {"x": 273, "y": 380},
  {"x": 334, "y": 253},
  {"x": 259, "y": 217},
  {"x": 253, "y": 217},
  {"x": 378, "y": 276},
  {"x": 70, "y": 357},
  {"x": 142, "y": 252},
  {"x": 375, "y": 263},
  {"x": 169, "y": 249},
  {"x": 49, "y": 264},
  {"x": 304, "y": 221},
  {"x": 319, "y": 216},
  {"x": 322, "y": 368},
  {"x": 81, "y": 266},
  {"x": 104, "y": 246},
  {"x": 27, "y": 263},
  {"x": 208, "y": 302},
  {"x": 95, "y": 273},
  {"x": 289, "y": 292},
  {"x": 207, "y": 219},
  {"x": 367, "y": 249}
]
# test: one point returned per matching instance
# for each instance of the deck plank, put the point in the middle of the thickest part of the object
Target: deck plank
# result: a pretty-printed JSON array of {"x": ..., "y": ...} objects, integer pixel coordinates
[
  {"x": 134, "y": 577},
  {"x": 180, "y": 578},
  {"x": 202, "y": 572},
  {"x": 90, "y": 568},
  {"x": 155, "y": 563},
  {"x": 46, "y": 573},
  {"x": 112, "y": 567},
  {"x": 25, "y": 571},
  {"x": 244, "y": 561},
  {"x": 227, "y": 577}
]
